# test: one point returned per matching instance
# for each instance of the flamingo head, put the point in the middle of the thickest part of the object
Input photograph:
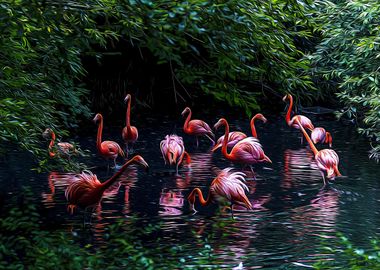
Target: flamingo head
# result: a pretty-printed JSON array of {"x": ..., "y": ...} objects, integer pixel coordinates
[
  {"x": 97, "y": 117},
  {"x": 185, "y": 111},
  {"x": 128, "y": 97},
  {"x": 47, "y": 133},
  {"x": 139, "y": 159},
  {"x": 287, "y": 96},
  {"x": 261, "y": 117},
  {"x": 221, "y": 121}
]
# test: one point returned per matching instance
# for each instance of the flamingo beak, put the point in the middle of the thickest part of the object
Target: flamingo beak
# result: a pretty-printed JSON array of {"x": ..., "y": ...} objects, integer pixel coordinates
[
  {"x": 264, "y": 119},
  {"x": 127, "y": 98},
  {"x": 183, "y": 113},
  {"x": 285, "y": 97}
]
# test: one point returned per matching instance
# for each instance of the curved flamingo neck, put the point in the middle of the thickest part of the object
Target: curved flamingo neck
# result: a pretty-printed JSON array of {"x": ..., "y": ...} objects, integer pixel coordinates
[
  {"x": 328, "y": 138},
  {"x": 185, "y": 125},
  {"x": 127, "y": 117},
  {"x": 225, "y": 140},
  {"x": 289, "y": 109},
  {"x": 51, "y": 144},
  {"x": 111, "y": 180},
  {"x": 312, "y": 146},
  {"x": 200, "y": 197},
  {"x": 253, "y": 128},
  {"x": 99, "y": 135}
]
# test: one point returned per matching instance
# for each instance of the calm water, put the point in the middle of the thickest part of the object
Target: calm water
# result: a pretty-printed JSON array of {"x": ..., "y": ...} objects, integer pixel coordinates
[{"x": 292, "y": 216}]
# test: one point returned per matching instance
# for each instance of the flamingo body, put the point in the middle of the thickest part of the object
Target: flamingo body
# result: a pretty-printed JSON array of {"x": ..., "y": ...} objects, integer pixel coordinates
[
  {"x": 327, "y": 159},
  {"x": 173, "y": 150},
  {"x": 302, "y": 120},
  {"x": 107, "y": 149},
  {"x": 320, "y": 135},
  {"x": 130, "y": 133},
  {"x": 87, "y": 191},
  {"x": 65, "y": 149},
  {"x": 228, "y": 187},
  {"x": 247, "y": 151},
  {"x": 197, "y": 127},
  {"x": 233, "y": 138}
]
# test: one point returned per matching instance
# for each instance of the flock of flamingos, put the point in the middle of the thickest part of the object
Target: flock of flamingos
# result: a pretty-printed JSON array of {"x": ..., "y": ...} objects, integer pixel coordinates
[{"x": 228, "y": 186}]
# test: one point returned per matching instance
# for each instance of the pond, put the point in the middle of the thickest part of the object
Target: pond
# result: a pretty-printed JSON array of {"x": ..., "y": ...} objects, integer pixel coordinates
[{"x": 292, "y": 216}]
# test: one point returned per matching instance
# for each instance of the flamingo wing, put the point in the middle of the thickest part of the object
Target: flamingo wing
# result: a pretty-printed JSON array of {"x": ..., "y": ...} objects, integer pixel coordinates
[
  {"x": 318, "y": 135},
  {"x": 199, "y": 127},
  {"x": 230, "y": 186},
  {"x": 248, "y": 150}
]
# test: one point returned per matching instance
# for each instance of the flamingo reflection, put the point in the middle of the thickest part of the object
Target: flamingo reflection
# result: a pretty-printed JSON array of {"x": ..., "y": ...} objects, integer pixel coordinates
[
  {"x": 171, "y": 202},
  {"x": 56, "y": 181}
]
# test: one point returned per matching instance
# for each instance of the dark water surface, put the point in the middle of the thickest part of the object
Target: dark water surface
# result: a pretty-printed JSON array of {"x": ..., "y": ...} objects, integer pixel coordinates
[{"x": 292, "y": 216}]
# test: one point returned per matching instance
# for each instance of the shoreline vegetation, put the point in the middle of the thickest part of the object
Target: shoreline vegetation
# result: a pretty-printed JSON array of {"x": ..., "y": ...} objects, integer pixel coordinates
[{"x": 246, "y": 54}]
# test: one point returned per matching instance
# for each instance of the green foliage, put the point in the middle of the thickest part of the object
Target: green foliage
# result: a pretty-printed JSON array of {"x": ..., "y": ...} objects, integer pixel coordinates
[
  {"x": 26, "y": 244},
  {"x": 348, "y": 256},
  {"x": 40, "y": 58},
  {"x": 347, "y": 58},
  {"x": 233, "y": 50}
]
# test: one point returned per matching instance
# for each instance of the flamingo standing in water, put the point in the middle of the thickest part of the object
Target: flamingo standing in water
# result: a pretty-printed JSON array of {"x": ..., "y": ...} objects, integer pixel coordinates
[
  {"x": 236, "y": 136},
  {"x": 107, "y": 149},
  {"x": 87, "y": 191},
  {"x": 327, "y": 159},
  {"x": 247, "y": 151},
  {"x": 197, "y": 127},
  {"x": 226, "y": 187},
  {"x": 65, "y": 149},
  {"x": 130, "y": 133},
  {"x": 319, "y": 134},
  {"x": 304, "y": 121},
  {"x": 173, "y": 150}
]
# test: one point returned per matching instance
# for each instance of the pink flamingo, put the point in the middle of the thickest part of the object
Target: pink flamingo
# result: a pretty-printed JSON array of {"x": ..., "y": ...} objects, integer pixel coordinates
[
  {"x": 173, "y": 150},
  {"x": 247, "y": 151},
  {"x": 107, "y": 149},
  {"x": 319, "y": 134},
  {"x": 65, "y": 149},
  {"x": 327, "y": 159},
  {"x": 226, "y": 187},
  {"x": 197, "y": 127},
  {"x": 235, "y": 136},
  {"x": 87, "y": 191},
  {"x": 130, "y": 133},
  {"x": 304, "y": 121}
]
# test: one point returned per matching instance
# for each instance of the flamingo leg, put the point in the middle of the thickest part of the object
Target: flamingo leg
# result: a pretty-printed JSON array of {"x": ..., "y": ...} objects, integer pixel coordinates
[
  {"x": 232, "y": 212},
  {"x": 126, "y": 150},
  {"x": 176, "y": 172},
  {"x": 324, "y": 180},
  {"x": 114, "y": 162},
  {"x": 197, "y": 141},
  {"x": 213, "y": 142},
  {"x": 253, "y": 173}
]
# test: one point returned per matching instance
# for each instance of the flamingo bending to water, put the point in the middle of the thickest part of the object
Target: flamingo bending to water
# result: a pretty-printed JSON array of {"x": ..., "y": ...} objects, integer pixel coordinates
[
  {"x": 247, "y": 151},
  {"x": 130, "y": 133},
  {"x": 173, "y": 150},
  {"x": 107, "y": 149},
  {"x": 319, "y": 134},
  {"x": 87, "y": 191},
  {"x": 235, "y": 136},
  {"x": 197, "y": 127},
  {"x": 226, "y": 187},
  {"x": 327, "y": 159},
  {"x": 65, "y": 149},
  {"x": 303, "y": 120}
]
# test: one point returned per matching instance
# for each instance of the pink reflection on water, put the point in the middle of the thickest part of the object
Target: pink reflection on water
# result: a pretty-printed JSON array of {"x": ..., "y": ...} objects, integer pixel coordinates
[
  {"x": 296, "y": 167},
  {"x": 57, "y": 181},
  {"x": 171, "y": 202}
]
